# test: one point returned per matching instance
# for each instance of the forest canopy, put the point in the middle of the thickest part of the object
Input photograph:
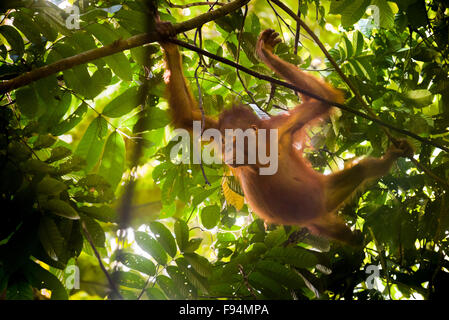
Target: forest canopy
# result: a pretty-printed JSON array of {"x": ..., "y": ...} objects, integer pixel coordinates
[{"x": 93, "y": 205}]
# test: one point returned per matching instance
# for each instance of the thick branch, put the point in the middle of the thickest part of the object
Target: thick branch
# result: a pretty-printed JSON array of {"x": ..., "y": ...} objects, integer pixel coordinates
[{"x": 117, "y": 46}]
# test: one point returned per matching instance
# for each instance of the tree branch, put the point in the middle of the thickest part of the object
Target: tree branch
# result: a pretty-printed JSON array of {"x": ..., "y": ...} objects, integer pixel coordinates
[
  {"x": 194, "y": 4},
  {"x": 111, "y": 282},
  {"x": 359, "y": 97},
  {"x": 315, "y": 38},
  {"x": 115, "y": 47},
  {"x": 310, "y": 94}
]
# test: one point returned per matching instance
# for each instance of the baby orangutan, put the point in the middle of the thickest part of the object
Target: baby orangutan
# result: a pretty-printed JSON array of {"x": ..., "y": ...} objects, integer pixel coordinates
[{"x": 295, "y": 194}]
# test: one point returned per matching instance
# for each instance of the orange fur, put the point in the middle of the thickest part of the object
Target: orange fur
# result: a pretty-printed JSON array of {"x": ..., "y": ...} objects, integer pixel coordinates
[{"x": 295, "y": 194}]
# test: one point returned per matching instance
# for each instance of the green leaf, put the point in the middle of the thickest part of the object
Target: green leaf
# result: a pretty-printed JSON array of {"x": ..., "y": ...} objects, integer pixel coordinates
[
  {"x": 211, "y": 46},
  {"x": 194, "y": 277},
  {"x": 3, "y": 55},
  {"x": 75, "y": 163},
  {"x": 43, "y": 279},
  {"x": 133, "y": 20},
  {"x": 37, "y": 166},
  {"x": 225, "y": 238},
  {"x": 168, "y": 193},
  {"x": 210, "y": 216},
  {"x": 386, "y": 15},
  {"x": 49, "y": 32},
  {"x": 358, "y": 43},
  {"x": 91, "y": 144},
  {"x": 269, "y": 287},
  {"x": 150, "y": 245},
  {"x": 167, "y": 285},
  {"x": 137, "y": 263},
  {"x": 420, "y": 97},
  {"x": 348, "y": 46},
  {"x": 71, "y": 121},
  {"x": 76, "y": 78},
  {"x": 51, "y": 238},
  {"x": 280, "y": 273},
  {"x": 113, "y": 160},
  {"x": 55, "y": 109},
  {"x": 351, "y": 11},
  {"x": 193, "y": 245},
  {"x": 249, "y": 46},
  {"x": 320, "y": 243},
  {"x": 95, "y": 231},
  {"x": 100, "y": 80},
  {"x": 61, "y": 208},
  {"x": 28, "y": 27},
  {"x": 14, "y": 39},
  {"x": 83, "y": 41},
  {"x": 182, "y": 234},
  {"x": 19, "y": 290},
  {"x": 50, "y": 186},
  {"x": 295, "y": 256},
  {"x": 103, "y": 213},
  {"x": 358, "y": 68},
  {"x": 59, "y": 153},
  {"x": 255, "y": 23},
  {"x": 27, "y": 102},
  {"x": 164, "y": 236},
  {"x": 44, "y": 141},
  {"x": 94, "y": 181},
  {"x": 129, "y": 279},
  {"x": 154, "y": 119},
  {"x": 199, "y": 264},
  {"x": 416, "y": 14},
  {"x": 276, "y": 237},
  {"x": 18, "y": 151},
  {"x": 48, "y": 90},
  {"x": 122, "y": 104},
  {"x": 91, "y": 16},
  {"x": 155, "y": 294},
  {"x": 118, "y": 62},
  {"x": 183, "y": 286}
]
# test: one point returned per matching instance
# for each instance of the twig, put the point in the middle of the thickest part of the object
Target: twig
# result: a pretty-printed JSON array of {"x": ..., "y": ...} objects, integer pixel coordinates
[
  {"x": 218, "y": 82},
  {"x": 97, "y": 254},
  {"x": 87, "y": 104},
  {"x": 200, "y": 96},
  {"x": 238, "y": 58},
  {"x": 9, "y": 103},
  {"x": 278, "y": 18},
  {"x": 144, "y": 287},
  {"x": 298, "y": 28},
  {"x": 246, "y": 282},
  {"x": 271, "y": 96},
  {"x": 203, "y": 117}
]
